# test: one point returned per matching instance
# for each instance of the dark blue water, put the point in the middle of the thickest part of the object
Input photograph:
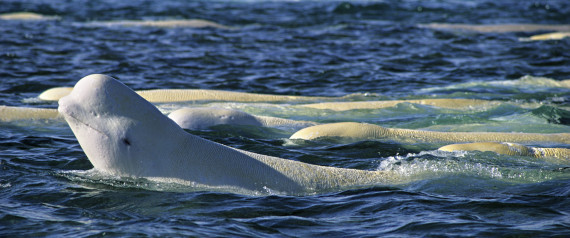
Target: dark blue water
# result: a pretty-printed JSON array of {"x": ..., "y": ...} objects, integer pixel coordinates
[{"x": 305, "y": 48}]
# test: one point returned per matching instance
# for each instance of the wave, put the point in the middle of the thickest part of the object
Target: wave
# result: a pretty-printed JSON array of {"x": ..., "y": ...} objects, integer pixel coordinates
[{"x": 432, "y": 165}]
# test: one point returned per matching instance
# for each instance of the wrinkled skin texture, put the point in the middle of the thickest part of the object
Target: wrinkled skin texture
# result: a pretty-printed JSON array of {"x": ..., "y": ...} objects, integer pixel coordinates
[
  {"x": 124, "y": 135},
  {"x": 510, "y": 149},
  {"x": 443, "y": 103},
  {"x": 363, "y": 131}
]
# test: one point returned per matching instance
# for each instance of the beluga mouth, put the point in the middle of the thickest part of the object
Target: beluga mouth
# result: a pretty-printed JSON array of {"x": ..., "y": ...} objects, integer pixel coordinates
[
  {"x": 72, "y": 110},
  {"x": 71, "y": 119}
]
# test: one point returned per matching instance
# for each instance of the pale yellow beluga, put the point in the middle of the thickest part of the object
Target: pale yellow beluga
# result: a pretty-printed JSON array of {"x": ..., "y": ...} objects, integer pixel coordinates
[
  {"x": 166, "y": 23},
  {"x": 510, "y": 149},
  {"x": 187, "y": 118},
  {"x": 26, "y": 16},
  {"x": 363, "y": 131},
  {"x": 560, "y": 31},
  {"x": 8, "y": 113},
  {"x": 449, "y": 103},
  {"x": 498, "y": 28},
  {"x": 54, "y": 94},
  {"x": 523, "y": 83},
  {"x": 548, "y": 36},
  {"x": 182, "y": 95}
]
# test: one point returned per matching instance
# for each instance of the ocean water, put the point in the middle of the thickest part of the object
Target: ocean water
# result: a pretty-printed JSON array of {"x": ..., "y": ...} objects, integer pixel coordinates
[{"x": 371, "y": 50}]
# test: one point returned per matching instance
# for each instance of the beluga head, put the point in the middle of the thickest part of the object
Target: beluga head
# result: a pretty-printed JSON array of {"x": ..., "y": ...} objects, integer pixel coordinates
[{"x": 118, "y": 130}]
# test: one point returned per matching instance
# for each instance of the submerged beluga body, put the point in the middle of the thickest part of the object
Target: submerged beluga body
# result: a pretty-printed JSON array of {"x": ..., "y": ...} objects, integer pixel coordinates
[{"x": 124, "y": 135}]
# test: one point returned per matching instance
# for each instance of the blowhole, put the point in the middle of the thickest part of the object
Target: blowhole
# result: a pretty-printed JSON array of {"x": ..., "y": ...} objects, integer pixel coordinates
[{"x": 126, "y": 141}]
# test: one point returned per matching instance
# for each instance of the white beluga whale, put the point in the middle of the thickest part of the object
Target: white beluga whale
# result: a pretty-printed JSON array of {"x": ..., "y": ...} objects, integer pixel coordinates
[
  {"x": 124, "y": 135},
  {"x": 206, "y": 117}
]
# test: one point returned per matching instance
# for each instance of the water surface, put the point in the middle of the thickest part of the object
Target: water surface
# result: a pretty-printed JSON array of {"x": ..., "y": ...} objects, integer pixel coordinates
[{"x": 374, "y": 49}]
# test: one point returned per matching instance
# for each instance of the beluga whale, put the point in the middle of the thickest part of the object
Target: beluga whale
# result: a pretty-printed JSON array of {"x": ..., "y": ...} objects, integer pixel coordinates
[
  {"x": 124, "y": 135},
  {"x": 200, "y": 118},
  {"x": 510, "y": 149},
  {"x": 365, "y": 131}
]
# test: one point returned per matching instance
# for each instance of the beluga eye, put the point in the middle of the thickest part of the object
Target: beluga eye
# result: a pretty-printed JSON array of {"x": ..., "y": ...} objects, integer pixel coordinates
[{"x": 126, "y": 141}]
